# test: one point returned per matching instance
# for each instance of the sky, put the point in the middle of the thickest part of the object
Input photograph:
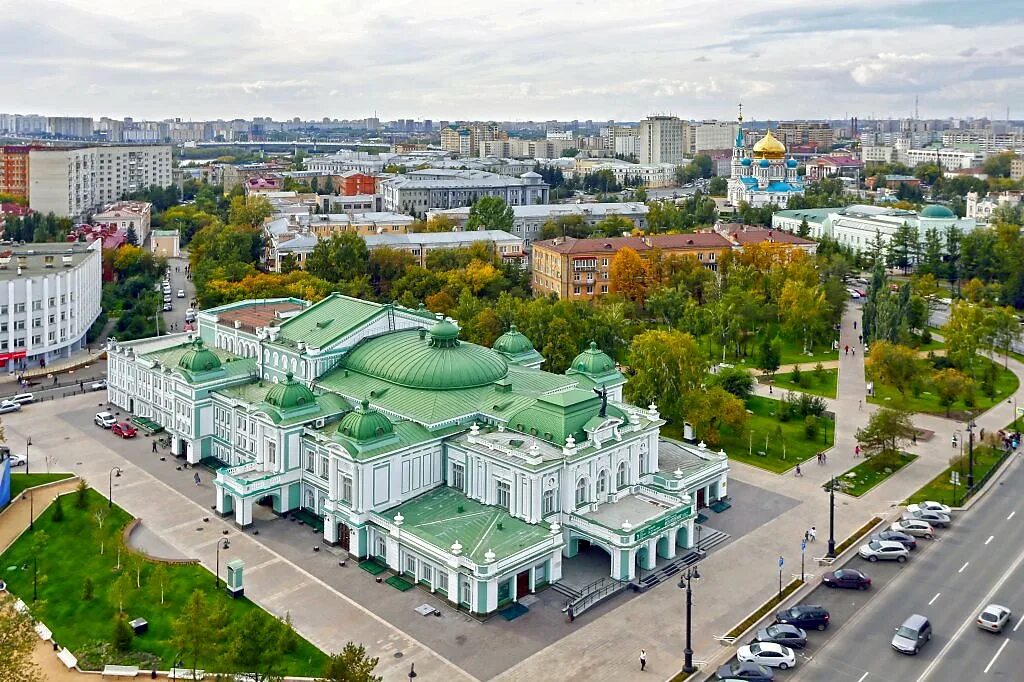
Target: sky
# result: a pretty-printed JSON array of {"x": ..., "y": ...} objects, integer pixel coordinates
[{"x": 524, "y": 60}]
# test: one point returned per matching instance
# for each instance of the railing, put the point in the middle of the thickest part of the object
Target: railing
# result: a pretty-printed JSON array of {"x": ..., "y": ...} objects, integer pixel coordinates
[
  {"x": 594, "y": 528},
  {"x": 244, "y": 486},
  {"x": 980, "y": 483},
  {"x": 655, "y": 494},
  {"x": 594, "y": 593}
]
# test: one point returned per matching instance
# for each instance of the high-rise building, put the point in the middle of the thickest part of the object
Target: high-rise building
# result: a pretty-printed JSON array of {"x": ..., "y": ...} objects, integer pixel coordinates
[
  {"x": 801, "y": 133},
  {"x": 712, "y": 135},
  {"x": 14, "y": 170},
  {"x": 664, "y": 139},
  {"x": 77, "y": 127}
]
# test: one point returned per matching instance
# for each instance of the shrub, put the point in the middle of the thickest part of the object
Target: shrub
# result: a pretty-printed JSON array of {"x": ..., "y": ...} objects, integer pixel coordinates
[
  {"x": 796, "y": 376},
  {"x": 939, "y": 361},
  {"x": 737, "y": 381},
  {"x": 123, "y": 634},
  {"x": 926, "y": 337},
  {"x": 58, "y": 510},
  {"x": 82, "y": 495},
  {"x": 811, "y": 404},
  {"x": 811, "y": 427},
  {"x": 819, "y": 373},
  {"x": 87, "y": 589}
]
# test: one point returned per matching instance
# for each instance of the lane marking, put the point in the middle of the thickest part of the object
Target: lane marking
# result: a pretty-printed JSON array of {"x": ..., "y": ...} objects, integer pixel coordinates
[
  {"x": 934, "y": 598},
  {"x": 866, "y": 674},
  {"x": 963, "y": 567},
  {"x": 989, "y": 539},
  {"x": 1003, "y": 646},
  {"x": 1011, "y": 515},
  {"x": 1019, "y": 621}
]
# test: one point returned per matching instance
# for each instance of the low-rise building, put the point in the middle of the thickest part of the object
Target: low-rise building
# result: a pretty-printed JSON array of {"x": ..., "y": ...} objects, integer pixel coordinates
[
  {"x": 982, "y": 208},
  {"x": 128, "y": 215},
  {"x": 417, "y": 192},
  {"x": 891, "y": 181},
  {"x": 834, "y": 166},
  {"x": 510, "y": 247},
  {"x": 165, "y": 243},
  {"x": 353, "y": 182},
  {"x": 355, "y": 203},
  {"x": 944, "y": 157}
]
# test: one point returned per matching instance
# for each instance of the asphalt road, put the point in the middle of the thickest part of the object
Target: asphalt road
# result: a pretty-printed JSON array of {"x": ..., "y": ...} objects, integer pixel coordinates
[
  {"x": 977, "y": 561},
  {"x": 175, "y": 320}
]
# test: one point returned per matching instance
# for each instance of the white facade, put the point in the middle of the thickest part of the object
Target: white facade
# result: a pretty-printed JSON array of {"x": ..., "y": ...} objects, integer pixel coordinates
[
  {"x": 877, "y": 153},
  {"x": 764, "y": 177},
  {"x": 711, "y": 135},
  {"x": 947, "y": 158},
  {"x": 663, "y": 139},
  {"x": 417, "y": 192},
  {"x": 49, "y": 297},
  {"x": 981, "y": 209}
]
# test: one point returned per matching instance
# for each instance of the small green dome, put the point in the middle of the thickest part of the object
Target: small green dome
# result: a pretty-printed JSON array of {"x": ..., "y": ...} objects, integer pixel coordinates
[
  {"x": 593, "y": 361},
  {"x": 199, "y": 359},
  {"x": 364, "y": 424},
  {"x": 290, "y": 394},
  {"x": 937, "y": 211},
  {"x": 512, "y": 342},
  {"x": 444, "y": 334}
]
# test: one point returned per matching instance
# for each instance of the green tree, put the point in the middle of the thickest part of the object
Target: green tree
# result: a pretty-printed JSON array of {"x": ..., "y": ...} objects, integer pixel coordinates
[
  {"x": 123, "y": 634},
  {"x": 894, "y": 364},
  {"x": 490, "y": 213},
  {"x": 736, "y": 381},
  {"x": 804, "y": 230},
  {"x": 667, "y": 366},
  {"x": 256, "y": 646},
  {"x": 718, "y": 186},
  {"x": 198, "y": 630},
  {"x": 132, "y": 236},
  {"x": 886, "y": 431},
  {"x": 950, "y": 385},
  {"x": 964, "y": 333},
  {"x": 351, "y": 665},
  {"x": 769, "y": 356},
  {"x": 18, "y": 640},
  {"x": 1003, "y": 330},
  {"x": 903, "y": 248},
  {"x": 710, "y": 409},
  {"x": 250, "y": 211},
  {"x": 289, "y": 263},
  {"x": 998, "y": 166},
  {"x": 341, "y": 258}
]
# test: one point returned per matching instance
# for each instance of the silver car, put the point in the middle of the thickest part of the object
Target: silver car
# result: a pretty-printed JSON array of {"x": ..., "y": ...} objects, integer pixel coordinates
[
  {"x": 915, "y": 527},
  {"x": 993, "y": 618},
  {"x": 932, "y": 517},
  {"x": 886, "y": 550}
]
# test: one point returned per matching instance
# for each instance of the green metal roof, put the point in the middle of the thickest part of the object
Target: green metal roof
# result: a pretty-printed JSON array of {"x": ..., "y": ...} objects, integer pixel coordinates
[
  {"x": 328, "y": 320},
  {"x": 936, "y": 211},
  {"x": 512, "y": 342},
  {"x": 596, "y": 366},
  {"x": 404, "y": 435},
  {"x": 437, "y": 361},
  {"x": 289, "y": 394},
  {"x": 555, "y": 417},
  {"x": 229, "y": 365},
  {"x": 198, "y": 359},
  {"x": 365, "y": 424}
]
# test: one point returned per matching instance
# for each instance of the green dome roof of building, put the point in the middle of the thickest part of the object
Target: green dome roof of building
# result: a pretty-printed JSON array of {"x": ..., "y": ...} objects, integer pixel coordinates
[
  {"x": 290, "y": 394},
  {"x": 199, "y": 359},
  {"x": 937, "y": 211},
  {"x": 364, "y": 424},
  {"x": 430, "y": 360},
  {"x": 512, "y": 342},
  {"x": 593, "y": 361}
]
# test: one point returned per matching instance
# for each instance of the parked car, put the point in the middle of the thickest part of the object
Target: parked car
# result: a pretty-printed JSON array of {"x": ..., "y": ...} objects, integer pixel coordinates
[
  {"x": 22, "y": 398},
  {"x": 884, "y": 550},
  {"x": 849, "y": 578},
  {"x": 168, "y": 307},
  {"x": 929, "y": 505},
  {"x": 104, "y": 420},
  {"x": 919, "y": 529},
  {"x": 934, "y": 518},
  {"x": 892, "y": 536},
  {"x": 738, "y": 670},
  {"x": 912, "y": 635},
  {"x": 993, "y": 618},
  {"x": 8, "y": 406},
  {"x": 124, "y": 429},
  {"x": 18, "y": 460},
  {"x": 181, "y": 293},
  {"x": 767, "y": 654},
  {"x": 804, "y": 616},
  {"x": 100, "y": 385},
  {"x": 788, "y": 635}
]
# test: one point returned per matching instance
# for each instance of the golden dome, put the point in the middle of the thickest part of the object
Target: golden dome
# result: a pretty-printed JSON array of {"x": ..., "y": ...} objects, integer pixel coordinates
[{"x": 769, "y": 147}]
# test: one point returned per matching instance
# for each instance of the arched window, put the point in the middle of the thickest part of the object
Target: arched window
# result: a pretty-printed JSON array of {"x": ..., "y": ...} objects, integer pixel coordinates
[
  {"x": 602, "y": 483},
  {"x": 310, "y": 500},
  {"x": 581, "y": 492},
  {"x": 622, "y": 476}
]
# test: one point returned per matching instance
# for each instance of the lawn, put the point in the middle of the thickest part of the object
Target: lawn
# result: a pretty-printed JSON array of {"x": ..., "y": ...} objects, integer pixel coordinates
[
  {"x": 941, "y": 489},
  {"x": 927, "y": 402},
  {"x": 781, "y": 454},
  {"x": 21, "y": 481},
  {"x": 869, "y": 473},
  {"x": 792, "y": 352},
  {"x": 72, "y": 552},
  {"x": 810, "y": 382}
]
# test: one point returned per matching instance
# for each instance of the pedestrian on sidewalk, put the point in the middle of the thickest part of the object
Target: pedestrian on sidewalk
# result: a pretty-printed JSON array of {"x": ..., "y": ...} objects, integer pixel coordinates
[
  {"x": 855, "y": 324},
  {"x": 820, "y": 460},
  {"x": 196, "y": 477},
  {"x": 913, "y": 437},
  {"x": 824, "y": 458},
  {"x": 81, "y": 385},
  {"x": 154, "y": 446},
  {"x": 54, "y": 380},
  {"x": 856, "y": 451},
  {"x": 643, "y": 660},
  {"x": 860, "y": 405},
  {"x": 807, "y": 535},
  {"x": 813, "y": 532},
  {"x": 769, "y": 389},
  {"x": 798, "y": 472},
  {"x": 954, "y": 440},
  {"x": 846, "y": 350}
]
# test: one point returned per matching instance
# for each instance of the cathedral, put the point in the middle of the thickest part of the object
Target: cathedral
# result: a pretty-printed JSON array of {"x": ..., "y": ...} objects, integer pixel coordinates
[{"x": 763, "y": 176}]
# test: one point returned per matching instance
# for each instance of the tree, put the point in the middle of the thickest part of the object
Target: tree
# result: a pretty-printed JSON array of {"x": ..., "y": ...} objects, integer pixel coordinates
[
  {"x": 250, "y": 211},
  {"x": 1003, "y": 327},
  {"x": 490, "y": 213},
  {"x": 963, "y": 334},
  {"x": 769, "y": 356},
  {"x": 342, "y": 257},
  {"x": 351, "y": 665},
  {"x": 804, "y": 230},
  {"x": 289, "y": 263},
  {"x": 17, "y": 642},
  {"x": 197, "y": 630},
  {"x": 709, "y": 409},
  {"x": 123, "y": 633},
  {"x": 667, "y": 366},
  {"x": 718, "y": 186},
  {"x": 736, "y": 381},
  {"x": 894, "y": 364},
  {"x": 132, "y": 236},
  {"x": 256, "y": 646},
  {"x": 58, "y": 510},
  {"x": 121, "y": 589},
  {"x": 159, "y": 577},
  {"x": 950, "y": 385},
  {"x": 887, "y": 428},
  {"x": 628, "y": 275}
]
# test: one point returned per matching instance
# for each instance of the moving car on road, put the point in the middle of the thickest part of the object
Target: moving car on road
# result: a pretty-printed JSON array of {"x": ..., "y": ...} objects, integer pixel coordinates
[
  {"x": 993, "y": 618},
  {"x": 804, "y": 616},
  {"x": 100, "y": 385},
  {"x": 22, "y": 398},
  {"x": 124, "y": 429},
  {"x": 919, "y": 529},
  {"x": 104, "y": 420},
  {"x": 934, "y": 518},
  {"x": 767, "y": 654},
  {"x": 787, "y": 635},
  {"x": 8, "y": 406},
  {"x": 849, "y": 578},
  {"x": 738, "y": 670},
  {"x": 912, "y": 635},
  {"x": 181, "y": 293},
  {"x": 892, "y": 536},
  {"x": 884, "y": 550}
]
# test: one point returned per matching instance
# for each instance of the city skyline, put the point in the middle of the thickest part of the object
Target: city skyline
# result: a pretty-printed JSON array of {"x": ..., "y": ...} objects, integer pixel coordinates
[{"x": 427, "y": 60}]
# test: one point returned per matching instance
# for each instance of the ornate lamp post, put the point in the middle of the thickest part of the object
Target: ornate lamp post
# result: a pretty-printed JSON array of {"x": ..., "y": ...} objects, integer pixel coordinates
[
  {"x": 115, "y": 472},
  {"x": 684, "y": 583},
  {"x": 970, "y": 454},
  {"x": 832, "y": 518},
  {"x": 223, "y": 542}
]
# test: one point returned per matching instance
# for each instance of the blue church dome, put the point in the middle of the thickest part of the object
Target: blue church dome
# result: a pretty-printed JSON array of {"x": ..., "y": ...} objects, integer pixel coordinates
[
  {"x": 765, "y": 163},
  {"x": 791, "y": 163},
  {"x": 745, "y": 162}
]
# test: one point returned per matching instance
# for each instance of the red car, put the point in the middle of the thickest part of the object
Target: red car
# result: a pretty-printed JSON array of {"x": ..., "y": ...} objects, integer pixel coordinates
[
  {"x": 124, "y": 429},
  {"x": 849, "y": 578}
]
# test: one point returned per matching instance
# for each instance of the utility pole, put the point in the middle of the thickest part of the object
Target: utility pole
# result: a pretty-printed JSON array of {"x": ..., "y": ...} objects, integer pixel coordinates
[{"x": 970, "y": 454}]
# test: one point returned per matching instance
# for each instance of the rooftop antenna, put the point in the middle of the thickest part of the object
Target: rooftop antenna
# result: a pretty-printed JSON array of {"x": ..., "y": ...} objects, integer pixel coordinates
[{"x": 915, "y": 108}]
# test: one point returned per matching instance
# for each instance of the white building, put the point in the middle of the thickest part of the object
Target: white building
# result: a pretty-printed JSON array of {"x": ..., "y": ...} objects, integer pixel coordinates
[
  {"x": 530, "y": 219},
  {"x": 877, "y": 153},
  {"x": 713, "y": 135},
  {"x": 127, "y": 215},
  {"x": 981, "y": 209},
  {"x": 49, "y": 297},
  {"x": 764, "y": 177},
  {"x": 663, "y": 139},
  {"x": 72, "y": 182},
  {"x": 419, "y": 191},
  {"x": 945, "y": 157}
]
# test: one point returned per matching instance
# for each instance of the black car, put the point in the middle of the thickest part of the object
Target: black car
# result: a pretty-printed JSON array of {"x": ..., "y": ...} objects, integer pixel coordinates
[
  {"x": 786, "y": 635},
  {"x": 849, "y": 578},
  {"x": 804, "y": 616},
  {"x": 907, "y": 541},
  {"x": 752, "y": 672}
]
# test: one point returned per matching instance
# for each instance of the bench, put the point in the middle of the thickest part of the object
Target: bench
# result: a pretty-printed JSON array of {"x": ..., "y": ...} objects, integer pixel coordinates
[
  {"x": 185, "y": 674},
  {"x": 120, "y": 671},
  {"x": 67, "y": 658}
]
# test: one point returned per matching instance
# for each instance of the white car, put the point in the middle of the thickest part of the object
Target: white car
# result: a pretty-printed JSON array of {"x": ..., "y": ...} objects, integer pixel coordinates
[
  {"x": 934, "y": 518},
  {"x": 9, "y": 406},
  {"x": 767, "y": 654},
  {"x": 18, "y": 460},
  {"x": 22, "y": 398},
  {"x": 100, "y": 385},
  {"x": 104, "y": 420},
  {"x": 993, "y": 618},
  {"x": 919, "y": 529},
  {"x": 932, "y": 507},
  {"x": 886, "y": 550},
  {"x": 181, "y": 293}
]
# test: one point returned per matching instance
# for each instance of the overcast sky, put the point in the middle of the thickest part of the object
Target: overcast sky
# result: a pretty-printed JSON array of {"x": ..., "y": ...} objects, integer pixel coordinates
[{"x": 525, "y": 60}]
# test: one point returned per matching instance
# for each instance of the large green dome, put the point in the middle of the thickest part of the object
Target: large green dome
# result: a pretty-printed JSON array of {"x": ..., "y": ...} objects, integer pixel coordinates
[
  {"x": 290, "y": 394},
  {"x": 593, "y": 361},
  {"x": 512, "y": 342},
  {"x": 365, "y": 424},
  {"x": 199, "y": 359},
  {"x": 435, "y": 360},
  {"x": 937, "y": 211}
]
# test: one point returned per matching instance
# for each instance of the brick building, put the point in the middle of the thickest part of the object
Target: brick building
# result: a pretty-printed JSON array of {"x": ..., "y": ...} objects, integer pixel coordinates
[
  {"x": 353, "y": 182},
  {"x": 14, "y": 170}
]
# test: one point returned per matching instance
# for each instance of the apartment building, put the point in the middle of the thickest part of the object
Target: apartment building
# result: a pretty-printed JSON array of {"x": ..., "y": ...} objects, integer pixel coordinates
[
  {"x": 14, "y": 163},
  {"x": 466, "y": 140},
  {"x": 802, "y": 133},
  {"x": 714, "y": 135},
  {"x": 533, "y": 149},
  {"x": 580, "y": 268},
  {"x": 417, "y": 192},
  {"x": 946, "y": 157},
  {"x": 127, "y": 215},
  {"x": 76, "y": 127},
  {"x": 1017, "y": 169},
  {"x": 664, "y": 139}
]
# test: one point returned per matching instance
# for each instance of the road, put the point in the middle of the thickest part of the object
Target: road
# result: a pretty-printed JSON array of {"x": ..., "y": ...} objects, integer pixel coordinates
[
  {"x": 175, "y": 320},
  {"x": 940, "y": 316},
  {"x": 977, "y": 561}
]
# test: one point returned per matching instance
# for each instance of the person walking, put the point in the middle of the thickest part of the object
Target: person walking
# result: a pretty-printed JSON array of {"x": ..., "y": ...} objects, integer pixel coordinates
[
  {"x": 807, "y": 535},
  {"x": 813, "y": 532},
  {"x": 860, "y": 405},
  {"x": 643, "y": 660},
  {"x": 154, "y": 446},
  {"x": 798, "y": 472},
  {"x": 855, "y": 324},
  {"x": 856, "y": 451},
  {"x": 196, "y": 477}
]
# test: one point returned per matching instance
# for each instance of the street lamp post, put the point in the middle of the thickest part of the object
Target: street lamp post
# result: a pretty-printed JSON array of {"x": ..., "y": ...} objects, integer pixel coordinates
[
  {"x": 684, "y": 583},
  {"x": 31, "y": 509},
  {"x": 412, "y": 671},
  {"x": 28, "y": 442},
  {"x": 970, "y": 454},
  {"x": 115, "y": 472},
  {"x": 226, "y": 545},
  {"x": 832, "y": 518}
]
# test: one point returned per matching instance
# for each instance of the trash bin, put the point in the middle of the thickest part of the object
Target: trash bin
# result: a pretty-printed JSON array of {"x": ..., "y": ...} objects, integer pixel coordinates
[{"x": 139, "y": 625}]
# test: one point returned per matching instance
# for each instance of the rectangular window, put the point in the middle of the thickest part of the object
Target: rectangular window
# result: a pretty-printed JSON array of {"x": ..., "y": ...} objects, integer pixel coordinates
[
  {"x": 346, "y": 489},
  {"x": 19, "y": 307},
  {"x": 323, "y": 467},
  {"x": 37, "y": 305},
  {"x": 309, "y": 463},
  {"x": 3, "y": 309},
  {"x": 37, "y": 322},
  {"x": 458, "y": 477},
  {"x": 503, "y": 494},
  {"x": 37, "y": 339},
  {"x": 272, "y": 453},
  {"x": 548, "y": 502}
]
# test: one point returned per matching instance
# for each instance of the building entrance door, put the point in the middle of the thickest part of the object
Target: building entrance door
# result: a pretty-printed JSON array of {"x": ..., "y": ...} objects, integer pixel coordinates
[
  {"x": 522, "y": 584},
  {"x": 343, "y": 536},
  {"x": 701, "y": 499}
]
